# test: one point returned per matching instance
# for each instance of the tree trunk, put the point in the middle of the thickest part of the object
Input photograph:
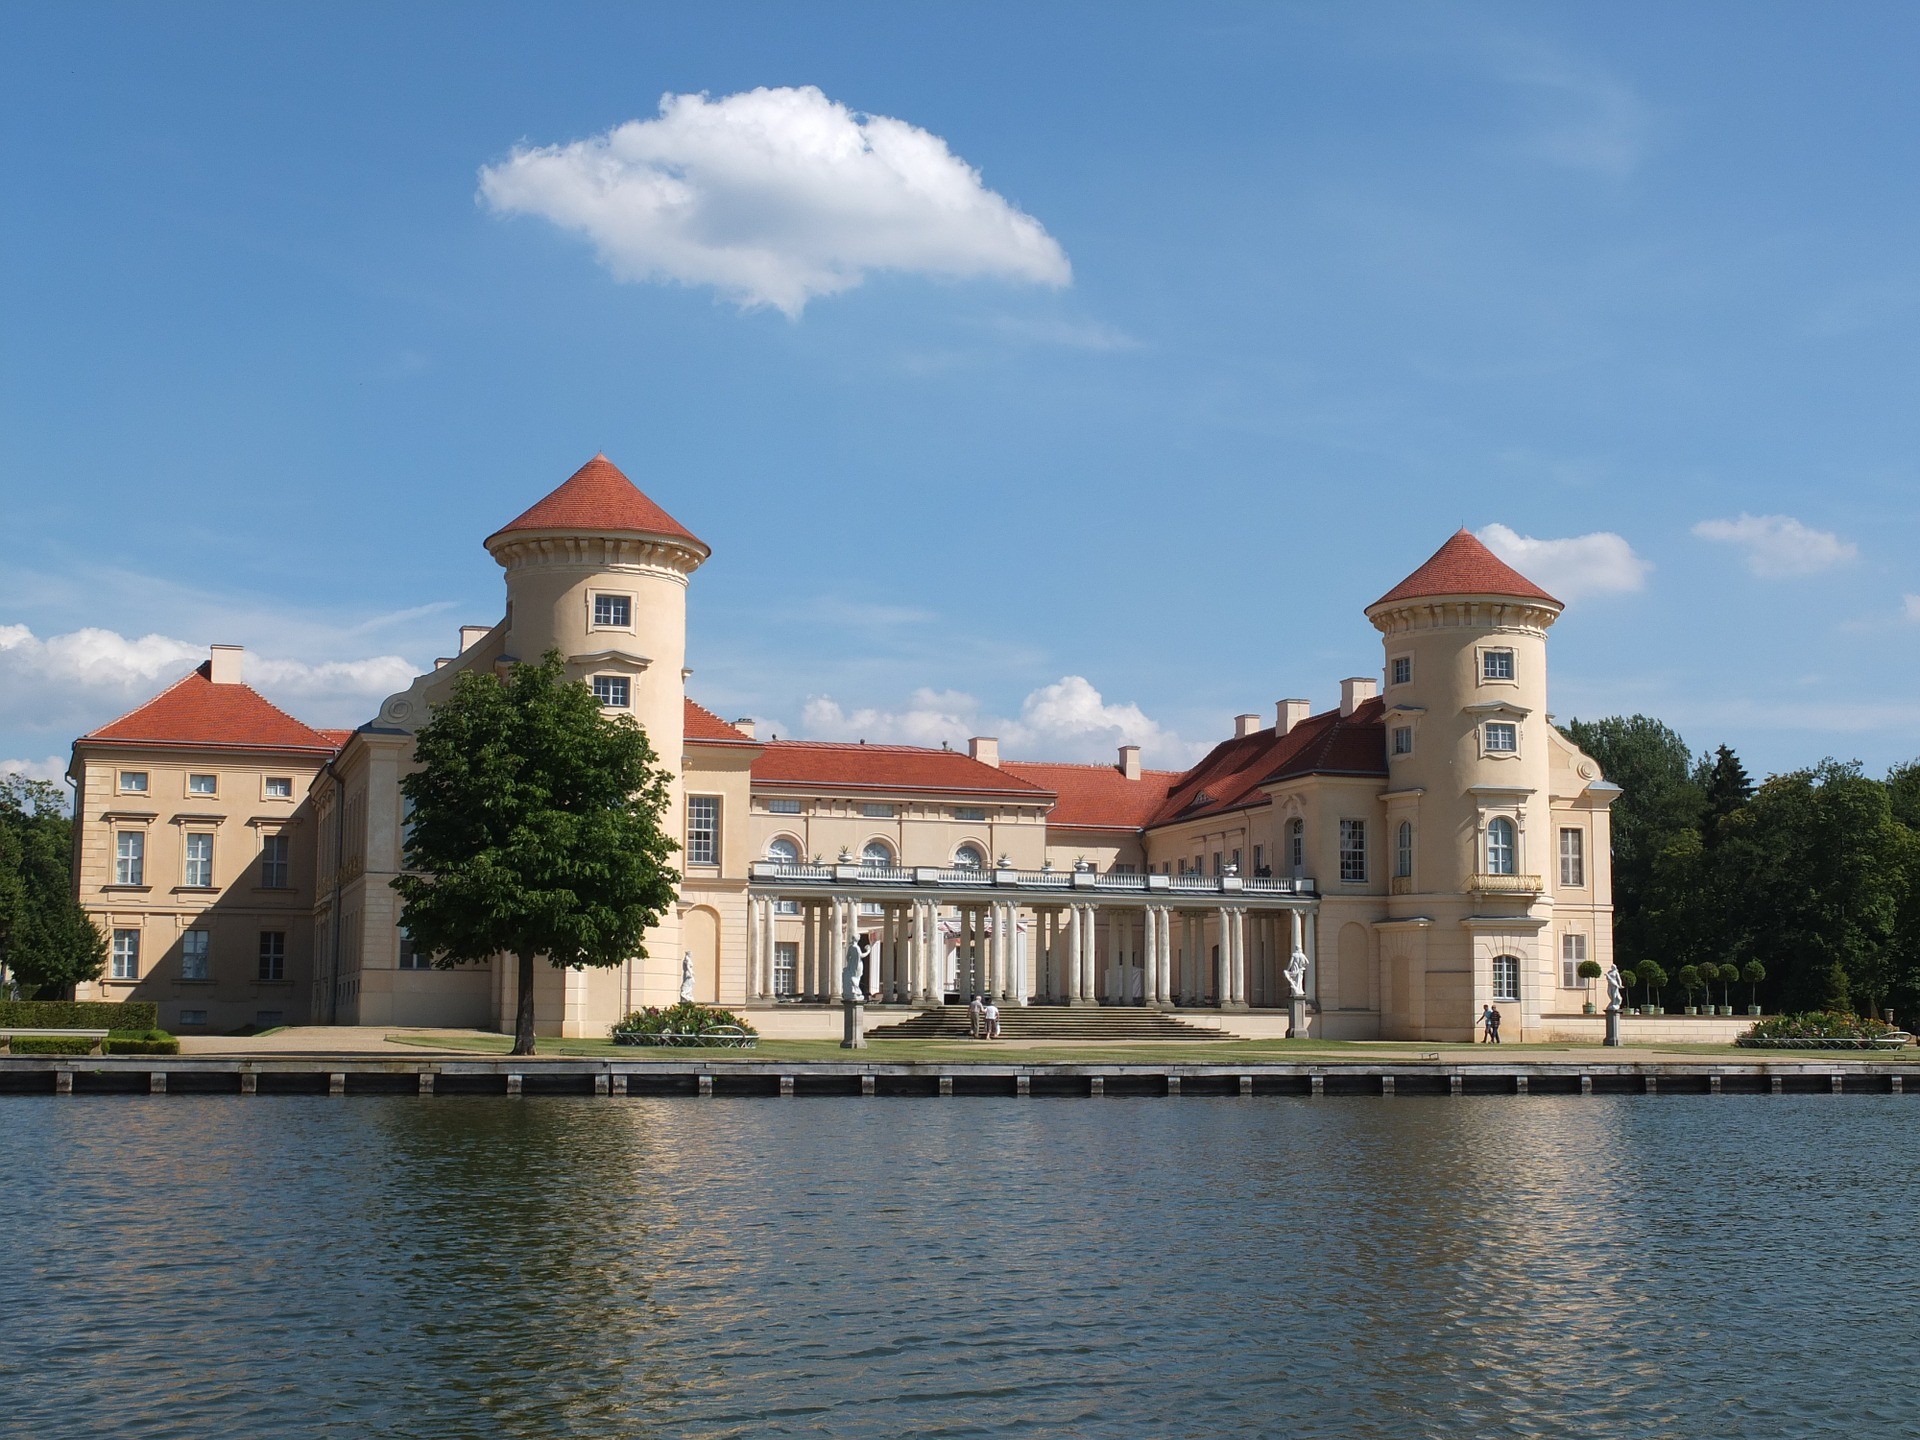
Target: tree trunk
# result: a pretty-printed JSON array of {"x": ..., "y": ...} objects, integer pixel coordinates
[{"x": 523, "y": 1017}]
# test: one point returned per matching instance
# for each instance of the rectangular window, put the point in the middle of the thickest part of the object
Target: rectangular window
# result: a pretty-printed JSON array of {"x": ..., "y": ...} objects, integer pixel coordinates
[
  {"x": 133, "y": 782},
  {"x": 877, "y": 812},
  {"x": 1216, "y": 862},
  {"x": 1403, "y": 852},
  {"x": 1502, "y": 737},
  {"x": 1402, "y": 669},
  {"x": 195, "y": 963},
  {"x": 273, "y": 954},
  {"x": 786, "y": 907},
  {"x": 969, "y": 812},
  {"x": 1573, "y": 949},
  {"x": 1259, "y": 859},
  {"x": 126, "y": 955},
  {"x": 273, "y": 861},
  {"x": 130, "y": 858},
  {"x": 203, "y": 785},
  {"x": 1506, "y": 978},
  {"x": 783, "y": 807},
  {"x": 193, "y": 1017},
  {"x": 1236, "y": 862},
  {"x": 786, "y": 959},
  {"x": 1573, "y": 857},
  {"x": 614, "y": 610},
  {"x": 1496, "y": 665},
  {"x": 1403, "y": 739},
  {"x": 703, "y": 829},
  {"x": 198, "y": 874},
  {"x": 410, "y": 958},
  {"x": 612, "y": 691},
  {"x": 1353, "y": 852},
  {"x": 279, "y": 787}
]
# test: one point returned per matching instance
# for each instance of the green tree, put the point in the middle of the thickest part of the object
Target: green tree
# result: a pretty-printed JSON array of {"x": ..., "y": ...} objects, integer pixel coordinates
[
  {"x": 1725, "y": 787},
  {"x": 536, "y": 830},
  {"x": 1653, "y": 977},
  {"x": 1689, "y": 981},
  {"x": 1753, "y": 972},
  {"x": 1661, "y": 803},
  {"x": 47, "y": 942},
  {"x": 1903, "y": 793}
]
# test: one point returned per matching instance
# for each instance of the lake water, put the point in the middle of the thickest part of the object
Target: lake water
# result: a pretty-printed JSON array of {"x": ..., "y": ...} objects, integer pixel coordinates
[{"x": 1672, "y": 1267}]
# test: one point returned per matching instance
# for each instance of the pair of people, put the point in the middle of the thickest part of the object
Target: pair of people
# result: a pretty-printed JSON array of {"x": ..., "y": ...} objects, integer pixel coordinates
[
  {"x": 1489, "y": 1026},
  {"x": 983, "y": 1019}
]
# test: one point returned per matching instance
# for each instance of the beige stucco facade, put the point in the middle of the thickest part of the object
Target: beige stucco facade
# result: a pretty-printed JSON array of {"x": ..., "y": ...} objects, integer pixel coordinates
[{"x": 1432, "y": 843}]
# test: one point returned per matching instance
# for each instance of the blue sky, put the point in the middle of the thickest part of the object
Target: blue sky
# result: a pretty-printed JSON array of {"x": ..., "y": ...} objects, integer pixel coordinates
[{"x": 1244, "y": 310}]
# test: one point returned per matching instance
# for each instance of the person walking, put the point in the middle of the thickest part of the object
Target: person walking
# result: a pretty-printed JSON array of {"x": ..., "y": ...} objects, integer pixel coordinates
[
  {"x": 977, "y": 1018},
  {"x": 992, "y": 1014},
  {"x": 1489, "y": 1024}
]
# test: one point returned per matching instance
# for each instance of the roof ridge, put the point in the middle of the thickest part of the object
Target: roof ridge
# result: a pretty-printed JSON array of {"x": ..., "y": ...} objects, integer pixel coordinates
[{"x": 203, "y": 667}]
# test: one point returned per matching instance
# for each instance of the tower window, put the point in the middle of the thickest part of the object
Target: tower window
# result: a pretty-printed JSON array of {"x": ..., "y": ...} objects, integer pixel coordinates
[
  {"x": 614, "y": 610},
  {"x": 1403, "y": 739},
  {"x": 1403, "y": 851},
  {"x": 1500, "y": 846},
  {"x": 613, "y": 691},
  {"x": 1503, "y": 737},
  {"x": 1402, "y": 669},
  {"x": 1496, "y": 665}
]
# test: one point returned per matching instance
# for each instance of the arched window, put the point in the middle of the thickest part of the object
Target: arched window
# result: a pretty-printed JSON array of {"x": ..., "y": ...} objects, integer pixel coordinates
[
  {"x": 1297, "y": 846},
  {"x": 1403, "y": 851},
  {"x": 1506, "y": 978},
  {"x": 968, "y": 857},
  {"x": 877, "y": 855},
  {"x": 783, "y": 851},
  {"x": 1500, "y": 846}
]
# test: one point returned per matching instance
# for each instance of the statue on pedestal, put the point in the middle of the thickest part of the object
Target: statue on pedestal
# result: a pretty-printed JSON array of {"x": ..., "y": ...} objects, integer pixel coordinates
[
  {"x": 854, "y": 971},
  {"x": 686, "y": 976},
  {"x": 1297, "y": 974},
  {"x": 1616, "y": 991}
]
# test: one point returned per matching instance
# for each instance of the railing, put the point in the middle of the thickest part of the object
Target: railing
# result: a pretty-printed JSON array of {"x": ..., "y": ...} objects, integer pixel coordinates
[
  {"x": 778, "y": 873},
  {"x": 1035, "y": 879},
  {"x": 1505, "y": 884},
  {"x": 1192, "y": 880},
  {"x": 1119, "y": 880},
  {"x": 1277, "y": 885}
]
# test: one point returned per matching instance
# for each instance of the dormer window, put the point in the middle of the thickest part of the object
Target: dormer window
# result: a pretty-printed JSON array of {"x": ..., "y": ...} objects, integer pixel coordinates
[
  {"x": 1496, "y": 664},
  {"x": 615, "y": 692}
]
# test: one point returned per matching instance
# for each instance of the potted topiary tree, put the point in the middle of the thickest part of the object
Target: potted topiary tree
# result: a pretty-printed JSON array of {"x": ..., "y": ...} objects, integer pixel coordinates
[
  {"x": 1589, "y": 971},
  {"x": 1629, "y": 979},
  {"x": 1689, "y": 980},
  {"x": 1653, "y": 977},
  {"x": 1729, "y": 976},
  {"x": 1753, "y": 972}
]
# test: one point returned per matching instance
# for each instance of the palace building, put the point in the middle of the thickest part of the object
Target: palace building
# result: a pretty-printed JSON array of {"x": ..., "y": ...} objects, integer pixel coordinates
[{"x": 1432, "y": 843}]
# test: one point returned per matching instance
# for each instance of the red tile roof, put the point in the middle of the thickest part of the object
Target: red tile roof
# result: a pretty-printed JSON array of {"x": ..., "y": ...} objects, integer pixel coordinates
[
  {"x": 1097, "y": 797},
  {"x": 1230, "y": 777},
  {"x": 338, "y": 737},
  {"x": 1464, "y": 566},
  {"x": 197, "y": 713},
  {"x": 598, "y": 498},
  {"x": 840, "y": 766},
  {"x": 703, "y": 727}
]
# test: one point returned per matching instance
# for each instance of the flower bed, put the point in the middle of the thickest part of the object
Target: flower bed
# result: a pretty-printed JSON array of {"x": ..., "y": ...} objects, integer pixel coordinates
[
  {"x": 1823, "y": 1030},
  {"x": 685, "y": 1024}
]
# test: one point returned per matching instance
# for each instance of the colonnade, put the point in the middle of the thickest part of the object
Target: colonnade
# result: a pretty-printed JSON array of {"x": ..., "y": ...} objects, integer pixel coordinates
[{"x": 1076, "y": 953}]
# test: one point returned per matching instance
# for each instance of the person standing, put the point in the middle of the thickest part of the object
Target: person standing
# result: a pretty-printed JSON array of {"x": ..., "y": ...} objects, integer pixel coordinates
[
  {"x": 977, "y": 1018},
  {"x": 992, "y": 1015},
  {"x": 1489, "y": 1025},
  {"x": 1493, "y": 1024}
]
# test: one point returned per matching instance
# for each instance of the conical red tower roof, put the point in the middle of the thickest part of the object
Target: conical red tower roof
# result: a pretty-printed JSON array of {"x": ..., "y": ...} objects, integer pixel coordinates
[
  {"x": 598, "y": 498},
  {"x": 1464, "y": 566}
]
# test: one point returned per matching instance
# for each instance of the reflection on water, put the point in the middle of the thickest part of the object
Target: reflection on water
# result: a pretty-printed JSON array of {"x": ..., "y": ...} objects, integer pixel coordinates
[{"x": 1349, "y": 1268}]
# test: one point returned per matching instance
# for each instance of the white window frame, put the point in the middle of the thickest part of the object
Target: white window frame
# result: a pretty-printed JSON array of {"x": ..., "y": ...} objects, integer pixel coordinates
[
  {"x": 126, "y": 955},
  {"x": 277, "y": 787},
  {"x": 1402, "y": 740},
  {"x": 1509, "y": 729},
  {"x": 272, "y": 968},
  {"x": 1502, "y": 854},
  {"x": 1353, "y": 851},
  {"x": 1400, "y": 670},
  {"x": 968, "y": 848},
  {"x": 786, "y": 964},
  {"x": 975, "y": 813},
  {"x": 876, "y": 810},
  {"x": 868, "y": 862},
  {"x": 129, "y": 857},
  {"x": 1493, "y": 660},
  {"x": 1573, "y": 951},
  {"x": 783, "y": 807},
  {"x": 1403, "y": 851},
  {"x": 133, "y": 782},
  {"x": 1502, "y": 991},
  {"x": 194, "y": 787},
  {"x": 611, "y": 597},
  {"x": 703, "y": 840},
  {"x": 1297, "y": 846},
  {"x": 1573, "y": 858},
  {"x": 196, "y": 860},
  {"x": 607, "y": 687},
  {"x": 196, "y": 955}
]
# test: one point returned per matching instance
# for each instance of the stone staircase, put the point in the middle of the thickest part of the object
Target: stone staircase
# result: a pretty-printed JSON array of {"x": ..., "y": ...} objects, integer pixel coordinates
[{"x": 1118, "y": 1023}]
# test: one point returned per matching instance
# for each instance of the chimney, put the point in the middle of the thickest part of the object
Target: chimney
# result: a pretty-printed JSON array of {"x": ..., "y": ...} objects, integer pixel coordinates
[
  {"x": 1289, "y": 713},
  {"x": 985, "y": 749},
  {"x": 1130, "y": 761},
  {"x": 1245, "y": 725},
  {"x": 472, "y": 635},
  {"x": 1355, "y": 690},
  {"x": 224, "y": 668},
  {"x": 745, "y": 726}
]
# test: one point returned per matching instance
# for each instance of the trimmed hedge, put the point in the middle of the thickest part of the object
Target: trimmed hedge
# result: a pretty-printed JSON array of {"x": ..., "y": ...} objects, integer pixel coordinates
[
  {"x": 156, "y": 1043},
  {"x": 78, "y": 1015},
  {"x": 52, "y": 1045}
]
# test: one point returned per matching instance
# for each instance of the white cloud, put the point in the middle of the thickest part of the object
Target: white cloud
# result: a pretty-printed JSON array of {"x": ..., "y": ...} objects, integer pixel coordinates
[
  {"x": 1067, "y": 720},
  {"x": 53, "y": 768},
  {"x": 1778, "y": 546},
  {"x": 1602, "y": 563},
  {"x": 773, "y": 197},
  {"x": 1910, "y": 608}
]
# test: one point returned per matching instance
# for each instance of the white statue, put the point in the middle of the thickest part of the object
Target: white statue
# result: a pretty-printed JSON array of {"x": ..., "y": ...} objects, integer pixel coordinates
[
  {"x": 854, "y": 971},
  {"x": 1297, "y": 974},
  {"x": 686, "y": 975},
  {"x": 1616, "y": 991}
]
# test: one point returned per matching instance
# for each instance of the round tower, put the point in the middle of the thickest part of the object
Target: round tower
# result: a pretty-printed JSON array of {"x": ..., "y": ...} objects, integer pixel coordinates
[
  {"x": 599, "y": 572},
  {"x": 1469, "y": 824}
]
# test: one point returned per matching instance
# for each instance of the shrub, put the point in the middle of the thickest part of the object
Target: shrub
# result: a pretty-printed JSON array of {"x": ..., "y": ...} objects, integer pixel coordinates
[
  {"x": 1819, "y": 1025},
  {"x": 78, "y": 1015},
  {"x": 686, "y": 1018},
  {"x": 52, "y": 1045},
  {"x": 150, "y": 1042}
]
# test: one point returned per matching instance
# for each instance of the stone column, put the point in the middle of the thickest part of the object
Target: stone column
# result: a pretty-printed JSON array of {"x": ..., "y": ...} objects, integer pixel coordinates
[
  {"x": 1150, "y": 954},
  {"x": 1237, "y": 992}
]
